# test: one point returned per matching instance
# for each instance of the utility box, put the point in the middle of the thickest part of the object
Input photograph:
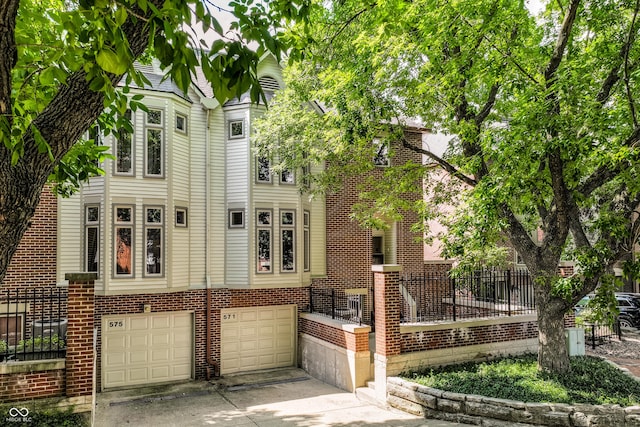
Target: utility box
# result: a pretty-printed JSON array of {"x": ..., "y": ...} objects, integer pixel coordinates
[{"x": 575, "y": 341}]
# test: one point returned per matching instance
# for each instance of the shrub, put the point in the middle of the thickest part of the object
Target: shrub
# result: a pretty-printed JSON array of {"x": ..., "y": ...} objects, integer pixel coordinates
[{"x": 41, "y": 344}]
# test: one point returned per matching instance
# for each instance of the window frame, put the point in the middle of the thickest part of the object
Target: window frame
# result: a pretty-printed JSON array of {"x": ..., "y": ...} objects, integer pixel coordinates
[
  {"x": 185, "y": 213},
  {"x": 132, "y": 149},
  {"x": 286, "y": 227},
  {"x": 124, "y": 225},
  {"x": 230, "y": 124},
  {"x": 264, "y": 227},
  {"x": 185, "y": 120},
  {"x": 154, "y": 127},
  {"x": 230, "y": 216},
  {"x": 306, "y": 224},
  {"x": 382, "y": 152},
  {"x": 153, "y": 226},
  {"x": 259, "y": 161},
  {"x": 91, "y": 225}
]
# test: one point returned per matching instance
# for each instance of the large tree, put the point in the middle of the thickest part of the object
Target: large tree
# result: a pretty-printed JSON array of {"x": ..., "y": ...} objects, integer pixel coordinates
[
  {"x": 543, "y": 114},
  {"x": 60, "y": 64}
]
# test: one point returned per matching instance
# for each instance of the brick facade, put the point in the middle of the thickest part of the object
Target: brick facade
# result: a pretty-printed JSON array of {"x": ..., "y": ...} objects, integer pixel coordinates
[
  {"x": 349, "y": 246},
  {"x": 31, "y": 385},
  {"x": 358, "y": 341},
  {"x": 34, "y": 263},
  {"x": 195, "y": 300},
  {"x": 460, "y": 337}
]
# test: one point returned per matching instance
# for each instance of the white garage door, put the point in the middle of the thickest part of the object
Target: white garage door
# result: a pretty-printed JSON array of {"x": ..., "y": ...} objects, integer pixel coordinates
[
  {"x": 146, "y": 348},
  {"x": 257, "y": 338}
]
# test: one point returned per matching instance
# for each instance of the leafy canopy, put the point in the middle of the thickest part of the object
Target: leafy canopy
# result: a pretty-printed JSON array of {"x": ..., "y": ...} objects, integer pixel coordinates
[
  {"x": 541, "y": 112},
  {"x": 57, "y": 39}
]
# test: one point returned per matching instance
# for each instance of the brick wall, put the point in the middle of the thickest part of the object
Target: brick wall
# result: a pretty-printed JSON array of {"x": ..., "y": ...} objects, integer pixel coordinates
[
  {"x": 349, "y": 246},
  {"x": 460, "y": 337},
  {"x": 30, "y": 385},
  {"x": 34, "y": 263},
  {"x": 335, "y": 335},
  {"x": 195, "y": 301}
]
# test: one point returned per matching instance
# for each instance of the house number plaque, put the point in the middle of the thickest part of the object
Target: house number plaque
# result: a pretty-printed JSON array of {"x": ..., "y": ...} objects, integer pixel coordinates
[{"x": 116, "y": 324}]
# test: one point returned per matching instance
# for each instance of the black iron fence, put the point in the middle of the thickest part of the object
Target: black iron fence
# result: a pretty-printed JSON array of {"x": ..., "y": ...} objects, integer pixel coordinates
[
  {"x": 433, "y": 297},
  {"x": 601, "y": 333},
  {"x": 337, "y": 304},
  {"x": 33, "y": 323}
]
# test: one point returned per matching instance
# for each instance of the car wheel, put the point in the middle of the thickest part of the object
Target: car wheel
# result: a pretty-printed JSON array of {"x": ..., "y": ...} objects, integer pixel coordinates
[{"x": 626, "y": 323}]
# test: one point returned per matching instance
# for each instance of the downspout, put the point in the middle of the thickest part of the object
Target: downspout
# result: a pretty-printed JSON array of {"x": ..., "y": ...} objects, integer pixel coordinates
[{"x": 211, "y": 363}]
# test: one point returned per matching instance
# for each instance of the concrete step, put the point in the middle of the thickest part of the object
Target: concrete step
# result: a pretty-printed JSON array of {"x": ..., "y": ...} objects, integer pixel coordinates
[{"x": 367, "y": 395}]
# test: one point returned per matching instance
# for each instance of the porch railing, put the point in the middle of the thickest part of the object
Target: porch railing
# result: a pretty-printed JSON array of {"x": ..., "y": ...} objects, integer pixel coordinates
[
  {"x": 337, "y": 304},
  {"x": 33, "y": 323},
  {"x": 433, "y": 297}
]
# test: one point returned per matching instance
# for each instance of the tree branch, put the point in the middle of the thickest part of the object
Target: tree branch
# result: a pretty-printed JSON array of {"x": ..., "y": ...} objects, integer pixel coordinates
[
  {"x": 605, "y": 173},
  {"x": 561, "y": 42},
  {"x": 9, "y": 50},
  {"x": 448, "y": 167},
  {"x": 629, "y": 42}
]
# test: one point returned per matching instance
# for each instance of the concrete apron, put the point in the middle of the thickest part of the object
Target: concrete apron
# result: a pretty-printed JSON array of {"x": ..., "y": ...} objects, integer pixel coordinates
[{"x": 284, "y": 397}]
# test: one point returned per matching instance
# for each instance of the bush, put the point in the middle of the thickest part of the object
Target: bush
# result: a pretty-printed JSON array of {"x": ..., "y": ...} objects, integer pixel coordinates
[
  {"x": 591, "y": 381},
  {"x": 41, "y": 344}
]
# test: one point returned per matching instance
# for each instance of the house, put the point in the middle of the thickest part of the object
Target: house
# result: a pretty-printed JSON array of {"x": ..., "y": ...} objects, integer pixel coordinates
[
  {"x": 205, "y": 260},
  {"x": 204, "y": 257}
]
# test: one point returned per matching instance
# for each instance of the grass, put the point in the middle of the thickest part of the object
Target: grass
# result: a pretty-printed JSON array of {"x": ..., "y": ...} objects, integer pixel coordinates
[{"x": 591, "y": 381}]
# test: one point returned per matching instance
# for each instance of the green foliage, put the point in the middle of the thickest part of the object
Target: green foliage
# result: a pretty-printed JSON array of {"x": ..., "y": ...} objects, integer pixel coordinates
[
  {"x": 590, "y": 381},
  {"x": 42, "y": 416},
  {"x": 3, "y": 346},
  {"x": 57, "y": 40},
  {"x": 41, "y": 344}
]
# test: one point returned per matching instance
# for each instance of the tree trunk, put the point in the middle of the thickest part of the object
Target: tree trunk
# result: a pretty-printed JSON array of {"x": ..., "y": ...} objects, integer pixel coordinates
[{"x": 552, "y": 351}]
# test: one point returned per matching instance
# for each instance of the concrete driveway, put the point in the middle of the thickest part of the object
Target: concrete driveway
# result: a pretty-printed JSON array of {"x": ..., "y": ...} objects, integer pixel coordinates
[{"x": 281, "y": 398}]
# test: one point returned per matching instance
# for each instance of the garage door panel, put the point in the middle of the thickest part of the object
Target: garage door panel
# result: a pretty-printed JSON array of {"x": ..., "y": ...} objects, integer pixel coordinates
[
  {"x": 149, "y": 348},
  {"x": 138, "y": 323},
  {"x": 161, "y": 322},
  {"x": 248, "y": 316},
  {"x": 253, "y": 338}
]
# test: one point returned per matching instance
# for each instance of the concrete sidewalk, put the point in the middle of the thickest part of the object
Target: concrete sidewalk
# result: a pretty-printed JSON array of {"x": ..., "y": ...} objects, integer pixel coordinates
[{"x": 287, "y": 397}]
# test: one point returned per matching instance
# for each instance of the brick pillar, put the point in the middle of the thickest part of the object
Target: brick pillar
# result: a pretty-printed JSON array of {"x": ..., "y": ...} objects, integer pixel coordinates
[
  {"x": 79, "y": 359},
  {"x": 386, "y": 279}
]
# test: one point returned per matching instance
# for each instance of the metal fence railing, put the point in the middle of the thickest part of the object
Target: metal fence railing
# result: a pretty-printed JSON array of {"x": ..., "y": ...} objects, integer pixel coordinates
[
  {"x": 479, "y": 294},
  {"x": 33, "y": 323},
  {"x": 337, "y": 304},
  {"x": 596, "y": 334}
]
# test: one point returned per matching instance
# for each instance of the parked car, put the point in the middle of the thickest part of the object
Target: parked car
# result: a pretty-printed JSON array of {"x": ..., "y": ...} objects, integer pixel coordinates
[{"x": 628, "y": 305}]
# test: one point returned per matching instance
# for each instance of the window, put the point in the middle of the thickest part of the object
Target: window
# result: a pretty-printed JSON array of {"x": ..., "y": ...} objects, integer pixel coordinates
[
  {"x": 381, "y": 158},
  {"x": 307, "y": 240},
  {"x": 236, "y": 218},
  {"x": 236, "y": 129},
  {"x": 181, "y": 123},
  {"x": 95, "y": 135},
  {"x": 263, "y": 170},
  {"x": 154, "y": 161},
  {"x": 287, "y": 240},
  {"x": 181, "y": 217},
  {"x": 287, "y": 177},
  {"x": 92, "y": 238},
  {"x": 123, "y": 247},
  {"x": 124, "y": 146},
  {"x": 153, "y": 232},
  {"x": 264, "y": 227}
]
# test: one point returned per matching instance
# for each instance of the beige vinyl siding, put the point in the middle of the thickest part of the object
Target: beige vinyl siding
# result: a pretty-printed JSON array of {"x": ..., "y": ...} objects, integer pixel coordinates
[
  {"x": 70, "y": 236},
  {"x": 217, "y": 202},
  {"x": 183, "y": 182},
  {"x": 237, "y": 164}
]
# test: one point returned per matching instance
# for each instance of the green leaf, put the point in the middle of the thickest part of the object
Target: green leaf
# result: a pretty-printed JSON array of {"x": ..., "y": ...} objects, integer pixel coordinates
[{"x": 110, "y": 62}]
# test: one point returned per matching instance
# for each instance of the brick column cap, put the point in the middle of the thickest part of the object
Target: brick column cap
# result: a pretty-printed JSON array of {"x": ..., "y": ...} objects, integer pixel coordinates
[
  {"x": 386, "y": 268},
  {"x": 81, "y": 277}
]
